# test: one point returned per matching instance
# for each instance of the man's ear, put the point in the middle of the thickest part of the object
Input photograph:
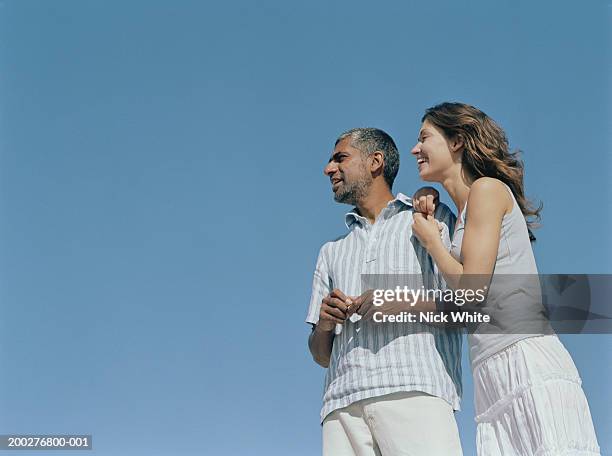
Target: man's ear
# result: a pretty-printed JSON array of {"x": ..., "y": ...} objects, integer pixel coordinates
[{"x": 377, "y": 163}]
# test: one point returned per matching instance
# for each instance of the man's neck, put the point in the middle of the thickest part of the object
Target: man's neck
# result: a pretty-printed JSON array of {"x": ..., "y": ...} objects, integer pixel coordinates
[{"x": 375, "y": 201}]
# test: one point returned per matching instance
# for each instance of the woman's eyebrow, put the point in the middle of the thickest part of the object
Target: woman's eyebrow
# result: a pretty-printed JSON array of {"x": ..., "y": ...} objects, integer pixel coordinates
[{"x": 422, "y": 132}]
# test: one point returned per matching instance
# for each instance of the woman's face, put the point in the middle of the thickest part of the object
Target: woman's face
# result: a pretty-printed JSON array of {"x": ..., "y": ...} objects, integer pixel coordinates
[{"x": 433, "y": 153}]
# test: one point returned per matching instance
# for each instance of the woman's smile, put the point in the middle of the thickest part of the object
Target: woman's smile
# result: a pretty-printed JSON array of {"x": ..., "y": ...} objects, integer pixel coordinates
[{"x": 421, "y": 161}]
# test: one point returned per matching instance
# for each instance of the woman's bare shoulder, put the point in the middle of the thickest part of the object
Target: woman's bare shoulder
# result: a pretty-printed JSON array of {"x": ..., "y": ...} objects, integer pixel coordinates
[{"x": 487, "y": 192}]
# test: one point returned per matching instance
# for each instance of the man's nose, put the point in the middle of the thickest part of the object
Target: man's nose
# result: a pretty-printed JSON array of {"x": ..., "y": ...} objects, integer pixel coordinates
[
  {"x": 330, "y": 168},
  {"x": 416, "y": 149}
]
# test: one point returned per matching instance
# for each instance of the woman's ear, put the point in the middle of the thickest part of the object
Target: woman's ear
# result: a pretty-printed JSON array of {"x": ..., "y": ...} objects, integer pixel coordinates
[{"x": 456, "y": 144}]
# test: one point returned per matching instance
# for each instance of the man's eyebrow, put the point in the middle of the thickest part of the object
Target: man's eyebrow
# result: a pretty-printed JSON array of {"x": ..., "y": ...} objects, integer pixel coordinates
[{"x": 335, "y": 155}]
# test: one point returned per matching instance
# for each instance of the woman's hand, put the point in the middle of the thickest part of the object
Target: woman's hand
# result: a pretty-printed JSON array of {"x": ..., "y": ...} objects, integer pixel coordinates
[
  {"x": 425, "y": 200},
  {"x": 425, "y": 203},
  {"x": 426, "y": 229}
]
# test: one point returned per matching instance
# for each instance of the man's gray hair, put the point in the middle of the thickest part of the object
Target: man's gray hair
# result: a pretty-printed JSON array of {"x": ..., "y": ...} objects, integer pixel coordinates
[{"x": 370, "y": 140}]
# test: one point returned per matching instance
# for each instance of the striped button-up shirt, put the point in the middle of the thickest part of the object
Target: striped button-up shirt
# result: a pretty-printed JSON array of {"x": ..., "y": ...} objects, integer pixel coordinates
[{"x": 372, "y": 359}]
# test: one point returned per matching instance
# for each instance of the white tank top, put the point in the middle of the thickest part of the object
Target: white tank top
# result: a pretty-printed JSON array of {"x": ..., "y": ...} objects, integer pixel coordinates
[{"x": 514, "y": 301}]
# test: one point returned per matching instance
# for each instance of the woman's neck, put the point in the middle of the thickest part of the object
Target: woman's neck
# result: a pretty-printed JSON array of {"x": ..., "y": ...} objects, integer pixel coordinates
[{"x": 458, "y": 186}]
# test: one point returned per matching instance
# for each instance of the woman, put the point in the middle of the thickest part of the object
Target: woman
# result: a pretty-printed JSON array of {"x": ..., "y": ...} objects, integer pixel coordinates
[{"x": 528, "y": 394}]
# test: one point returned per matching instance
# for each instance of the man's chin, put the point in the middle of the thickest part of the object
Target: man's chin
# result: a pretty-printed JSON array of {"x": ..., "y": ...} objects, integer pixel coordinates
[{"x": 343, "y": 198}]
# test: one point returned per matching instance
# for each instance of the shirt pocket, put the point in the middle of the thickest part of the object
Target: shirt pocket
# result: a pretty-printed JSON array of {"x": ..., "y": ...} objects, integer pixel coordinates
[
  {"x": 400, "y": 268},
  {"x": 399, "y": 257}
]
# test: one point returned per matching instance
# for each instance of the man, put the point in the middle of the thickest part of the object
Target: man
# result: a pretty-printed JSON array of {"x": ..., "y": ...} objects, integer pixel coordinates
[{"x": 389, "y": 389}]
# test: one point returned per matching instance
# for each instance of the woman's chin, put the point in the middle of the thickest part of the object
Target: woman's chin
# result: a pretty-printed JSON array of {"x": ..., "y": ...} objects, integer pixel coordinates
[{"x": 425, "y": 176}]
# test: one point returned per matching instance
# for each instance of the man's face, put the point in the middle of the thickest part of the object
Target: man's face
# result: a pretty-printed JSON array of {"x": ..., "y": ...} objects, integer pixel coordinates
[{"x": 348, "y": 172}]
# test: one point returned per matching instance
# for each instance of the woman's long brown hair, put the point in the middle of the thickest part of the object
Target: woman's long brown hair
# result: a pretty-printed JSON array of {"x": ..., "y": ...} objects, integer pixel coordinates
[{"x": 486, "y": 151}]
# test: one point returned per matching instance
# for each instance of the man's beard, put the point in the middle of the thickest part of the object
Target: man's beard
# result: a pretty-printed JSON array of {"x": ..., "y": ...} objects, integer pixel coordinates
[{"x": 351, "y": 193}]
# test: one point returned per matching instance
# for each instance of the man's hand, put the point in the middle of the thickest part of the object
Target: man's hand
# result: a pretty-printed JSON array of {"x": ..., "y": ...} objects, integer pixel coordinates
[
  {"x": 425, "y": 200},
  {"x": 333, "y": 311},
  {"x": 364, "y": 305}
]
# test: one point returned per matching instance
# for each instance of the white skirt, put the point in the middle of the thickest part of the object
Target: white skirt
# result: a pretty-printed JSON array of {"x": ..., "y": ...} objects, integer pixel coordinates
[{"x": 529, "y": 402}]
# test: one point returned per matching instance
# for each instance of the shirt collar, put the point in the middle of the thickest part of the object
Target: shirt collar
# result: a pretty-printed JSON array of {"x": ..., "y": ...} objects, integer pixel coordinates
[{"x": 392, "y": 208}]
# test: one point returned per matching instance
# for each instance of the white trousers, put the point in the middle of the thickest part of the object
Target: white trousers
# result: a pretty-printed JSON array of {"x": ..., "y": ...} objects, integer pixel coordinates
[{"x": 398, "y": 424}]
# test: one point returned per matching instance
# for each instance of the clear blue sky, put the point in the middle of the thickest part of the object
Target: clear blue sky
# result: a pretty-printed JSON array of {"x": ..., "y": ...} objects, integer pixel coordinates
[{"x": 162, "y": 200}]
